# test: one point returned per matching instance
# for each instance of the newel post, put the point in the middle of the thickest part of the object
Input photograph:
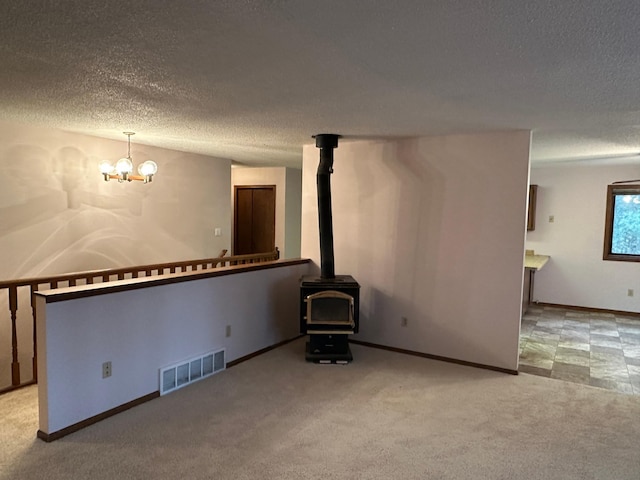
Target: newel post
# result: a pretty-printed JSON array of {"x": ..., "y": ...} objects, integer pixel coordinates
[{"x": 32, "y": 289}]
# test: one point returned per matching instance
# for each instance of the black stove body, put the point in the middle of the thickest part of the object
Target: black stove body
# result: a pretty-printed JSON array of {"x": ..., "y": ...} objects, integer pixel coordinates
[
  {"x": 329, "y": 303},
  {"x": 329, "y": 314}
]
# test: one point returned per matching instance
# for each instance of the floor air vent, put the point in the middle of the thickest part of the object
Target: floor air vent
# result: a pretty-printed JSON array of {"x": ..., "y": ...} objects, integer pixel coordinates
[{"x": 188, "y": 371}]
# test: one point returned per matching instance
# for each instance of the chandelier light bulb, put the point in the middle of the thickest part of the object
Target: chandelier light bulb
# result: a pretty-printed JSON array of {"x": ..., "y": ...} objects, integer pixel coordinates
[
  {"x": 148, "y": 168},
  {"x": 105, "y": 167},
  {"x": 124, "y": 165}
]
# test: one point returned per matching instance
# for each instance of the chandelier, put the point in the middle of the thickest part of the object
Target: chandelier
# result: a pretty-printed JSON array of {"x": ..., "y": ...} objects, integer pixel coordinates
[{"x": 121, "y": 171}]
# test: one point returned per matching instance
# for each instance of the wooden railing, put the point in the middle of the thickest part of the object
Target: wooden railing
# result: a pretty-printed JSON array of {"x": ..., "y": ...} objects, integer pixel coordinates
[{"x": 16, "y": 289}]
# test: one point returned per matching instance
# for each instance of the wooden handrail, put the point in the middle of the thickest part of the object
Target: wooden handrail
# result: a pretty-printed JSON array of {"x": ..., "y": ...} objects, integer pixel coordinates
[
  {"x": 158, "y": 268},
  {"x": 97, "y": 276}
]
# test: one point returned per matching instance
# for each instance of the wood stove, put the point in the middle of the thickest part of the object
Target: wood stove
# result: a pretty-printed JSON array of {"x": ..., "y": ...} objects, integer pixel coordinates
[{"x": 329, "y": 303}]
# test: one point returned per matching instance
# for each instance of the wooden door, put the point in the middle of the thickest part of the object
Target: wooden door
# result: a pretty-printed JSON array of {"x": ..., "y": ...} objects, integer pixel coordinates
[{"x": 254, "y": 219}]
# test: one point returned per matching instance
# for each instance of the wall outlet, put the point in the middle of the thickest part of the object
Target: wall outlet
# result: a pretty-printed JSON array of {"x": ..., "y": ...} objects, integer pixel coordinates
[
  {"x": 227, "y": 331},
  {"x": 404, "y": 321},
  {"x": 630, "y": 292},
  {"x": 552, "y": 218},
  {"x": 106, "y": 369},
  {"x": 217, "y": 232}
]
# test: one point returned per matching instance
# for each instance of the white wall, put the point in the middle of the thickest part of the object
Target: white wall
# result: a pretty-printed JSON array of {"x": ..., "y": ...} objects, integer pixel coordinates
[
  {"x": 141, "y": 331},
  {"x": 433, "y": 229},
  {"x": 576, "y": 274},
  {"x": 58, "y": 215},
  {"x": 288, "y": 201}
]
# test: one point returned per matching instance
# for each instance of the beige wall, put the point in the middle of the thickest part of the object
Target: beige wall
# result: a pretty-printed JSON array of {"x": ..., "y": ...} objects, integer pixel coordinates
[
  {"x": 433, "y": 229},
  {"x": 293, "y": 213},
  {"x": 576, "y": 196},
  {"x": 59, "y": 215}
]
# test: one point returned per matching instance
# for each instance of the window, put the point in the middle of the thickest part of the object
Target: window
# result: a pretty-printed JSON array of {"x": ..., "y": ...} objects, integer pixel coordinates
[{"x": 622, "y": 225}]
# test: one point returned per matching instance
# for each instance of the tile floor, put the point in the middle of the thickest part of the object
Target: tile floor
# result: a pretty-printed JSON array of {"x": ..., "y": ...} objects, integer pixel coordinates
[{"x": 593, "y": 348}]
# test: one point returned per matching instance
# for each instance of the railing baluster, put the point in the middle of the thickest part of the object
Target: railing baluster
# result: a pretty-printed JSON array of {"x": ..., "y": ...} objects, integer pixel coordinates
[{"x": 13, "y": 308}]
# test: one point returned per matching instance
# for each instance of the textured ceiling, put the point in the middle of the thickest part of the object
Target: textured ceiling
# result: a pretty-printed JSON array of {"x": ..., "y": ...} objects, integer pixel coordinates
[{"x": 253, "y": 80}]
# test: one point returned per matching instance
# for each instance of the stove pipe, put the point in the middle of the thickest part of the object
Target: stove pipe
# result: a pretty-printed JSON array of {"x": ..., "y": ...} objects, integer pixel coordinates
[{"x": 326, "y": 142}]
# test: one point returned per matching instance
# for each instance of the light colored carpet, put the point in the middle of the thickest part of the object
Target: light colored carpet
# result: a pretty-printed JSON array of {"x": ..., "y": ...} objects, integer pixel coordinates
[{"x": 385, "y": 416}]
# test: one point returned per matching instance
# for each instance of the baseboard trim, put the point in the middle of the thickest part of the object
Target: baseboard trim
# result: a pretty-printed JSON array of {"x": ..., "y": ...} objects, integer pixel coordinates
[
  {"x": 50, "y": 437},
  {"x": 435, "y": 357},
  {"x": 261, "y": 351},
  {"x": 587, "y": 309}
]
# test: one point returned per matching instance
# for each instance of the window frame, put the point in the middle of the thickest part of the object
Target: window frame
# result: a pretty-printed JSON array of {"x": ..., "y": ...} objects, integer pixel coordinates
[{"x": 612, "y": 191}]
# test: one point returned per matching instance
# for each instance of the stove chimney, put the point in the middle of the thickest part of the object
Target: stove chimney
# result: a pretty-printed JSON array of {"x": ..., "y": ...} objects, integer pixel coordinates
[{"x": 326, "y": 142}]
